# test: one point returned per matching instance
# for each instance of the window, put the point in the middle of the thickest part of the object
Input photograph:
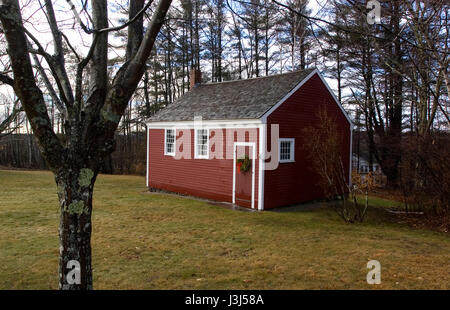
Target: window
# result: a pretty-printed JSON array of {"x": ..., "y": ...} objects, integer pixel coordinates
[
  {"x": 169, "y": 148},
  {"x": 286, "y": 150},
  {"x": 201, "y": 143}
]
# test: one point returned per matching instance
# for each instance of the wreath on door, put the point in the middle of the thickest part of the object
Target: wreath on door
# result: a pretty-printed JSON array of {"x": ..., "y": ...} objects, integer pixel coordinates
[{"x": 243, "y": 164}]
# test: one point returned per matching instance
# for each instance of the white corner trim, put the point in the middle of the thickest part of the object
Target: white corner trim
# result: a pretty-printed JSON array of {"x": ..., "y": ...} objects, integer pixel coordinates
[
  {"x": 174, "y": 142},
  {"x": 262, "y": 148},
  {"x": 196, "y": 156}
]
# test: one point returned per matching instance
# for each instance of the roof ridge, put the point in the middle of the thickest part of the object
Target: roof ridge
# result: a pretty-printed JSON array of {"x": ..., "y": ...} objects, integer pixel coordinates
[{"x": 259, "y": 77}]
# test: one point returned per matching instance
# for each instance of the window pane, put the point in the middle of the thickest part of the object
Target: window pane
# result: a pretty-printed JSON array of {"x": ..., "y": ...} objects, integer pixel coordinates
[
  {"x": 170, "y": 141},
  {"x": 202, "y": 142},
  {"x": 285, "y": 150}
]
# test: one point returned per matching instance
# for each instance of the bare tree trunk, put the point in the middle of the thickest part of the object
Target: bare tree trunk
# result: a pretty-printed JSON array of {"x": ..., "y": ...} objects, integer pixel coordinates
[
  {"x": 75, "y": 191},
  {"x": 89, "y": 127}
]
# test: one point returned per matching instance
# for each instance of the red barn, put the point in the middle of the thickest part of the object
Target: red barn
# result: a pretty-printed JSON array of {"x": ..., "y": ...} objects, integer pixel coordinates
[{"x": 241, "y": 141}]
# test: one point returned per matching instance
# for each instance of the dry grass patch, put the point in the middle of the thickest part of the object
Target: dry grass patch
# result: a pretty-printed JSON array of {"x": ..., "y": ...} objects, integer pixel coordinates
[{"x": 159, "y": 241}]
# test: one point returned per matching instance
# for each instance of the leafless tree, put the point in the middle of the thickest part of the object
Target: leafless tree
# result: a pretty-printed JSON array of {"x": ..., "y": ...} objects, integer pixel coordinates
[
  {"x": 91, "y": 116},
  {"x": 11, "y": 121},
  {"x": 324, "y": 148}
]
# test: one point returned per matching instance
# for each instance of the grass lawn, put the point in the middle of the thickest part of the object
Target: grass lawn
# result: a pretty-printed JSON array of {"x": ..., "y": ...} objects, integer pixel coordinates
[
  {"x": 157, "y": 241},
  {"x": 380, "y": 202}
]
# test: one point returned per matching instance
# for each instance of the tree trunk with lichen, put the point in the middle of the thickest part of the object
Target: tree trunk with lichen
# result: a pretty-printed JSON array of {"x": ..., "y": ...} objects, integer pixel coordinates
[
  {"x": 91, "y": 119},
  {"x": 75, "y": 191}
]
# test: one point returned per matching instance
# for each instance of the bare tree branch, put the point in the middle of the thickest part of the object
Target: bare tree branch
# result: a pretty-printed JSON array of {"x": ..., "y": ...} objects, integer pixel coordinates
[
  {"x": 25, "y": 87},
  {"x": 59, "y": 105},
  {"x": 9, "y": 119},
  {"x": 6, "y": 79}
]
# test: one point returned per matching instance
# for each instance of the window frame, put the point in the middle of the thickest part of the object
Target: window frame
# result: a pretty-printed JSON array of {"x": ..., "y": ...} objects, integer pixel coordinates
[
  {"x": 174, "y": 141},
  {"x": 196, "y": 154},
  {"x": 292, "y": 150}
]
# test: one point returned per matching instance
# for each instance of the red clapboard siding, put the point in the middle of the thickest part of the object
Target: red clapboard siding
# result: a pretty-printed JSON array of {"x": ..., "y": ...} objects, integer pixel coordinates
[
  {"x": 207, "y": 178},
  {"x": 296, "y": 182}
]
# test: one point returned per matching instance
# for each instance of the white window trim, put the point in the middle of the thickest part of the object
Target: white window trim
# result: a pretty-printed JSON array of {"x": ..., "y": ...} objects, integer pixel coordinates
[
  {"x": 196, "y": 155},
  {"x": 292, "y": 140},
  {"x": 174, "y": 142}
]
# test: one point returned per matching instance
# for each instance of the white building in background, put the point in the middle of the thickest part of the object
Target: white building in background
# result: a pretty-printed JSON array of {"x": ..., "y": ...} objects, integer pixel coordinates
[{"x": 361, "y": 165}]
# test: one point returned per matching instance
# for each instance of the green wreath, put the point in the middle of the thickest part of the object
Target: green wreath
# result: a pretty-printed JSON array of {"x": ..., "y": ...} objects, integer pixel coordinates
[{"x": 244, "y": 164}]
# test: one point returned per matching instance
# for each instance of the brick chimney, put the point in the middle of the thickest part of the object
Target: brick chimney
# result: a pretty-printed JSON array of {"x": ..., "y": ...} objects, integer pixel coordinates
[{"x": 195, "y": 78}]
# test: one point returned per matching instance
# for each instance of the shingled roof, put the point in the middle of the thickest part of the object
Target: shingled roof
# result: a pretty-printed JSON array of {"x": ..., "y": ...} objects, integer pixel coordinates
[{"x": 241, "y": 99}]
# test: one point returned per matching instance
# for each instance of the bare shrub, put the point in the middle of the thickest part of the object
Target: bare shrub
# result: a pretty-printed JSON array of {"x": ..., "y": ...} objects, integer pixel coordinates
[
  {"x": 425, "y": 174},
  {"x": 324, "y": 147},
  {"x": 140, "y": 168}
]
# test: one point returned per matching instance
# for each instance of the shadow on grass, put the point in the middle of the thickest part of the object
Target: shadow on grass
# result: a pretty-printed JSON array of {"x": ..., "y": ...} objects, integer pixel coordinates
[{"x": 376, "y": 214}]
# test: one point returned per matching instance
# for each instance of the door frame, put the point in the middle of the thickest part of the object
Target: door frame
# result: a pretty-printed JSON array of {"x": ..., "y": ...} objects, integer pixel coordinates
[{"x": 253, "y": 145}]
